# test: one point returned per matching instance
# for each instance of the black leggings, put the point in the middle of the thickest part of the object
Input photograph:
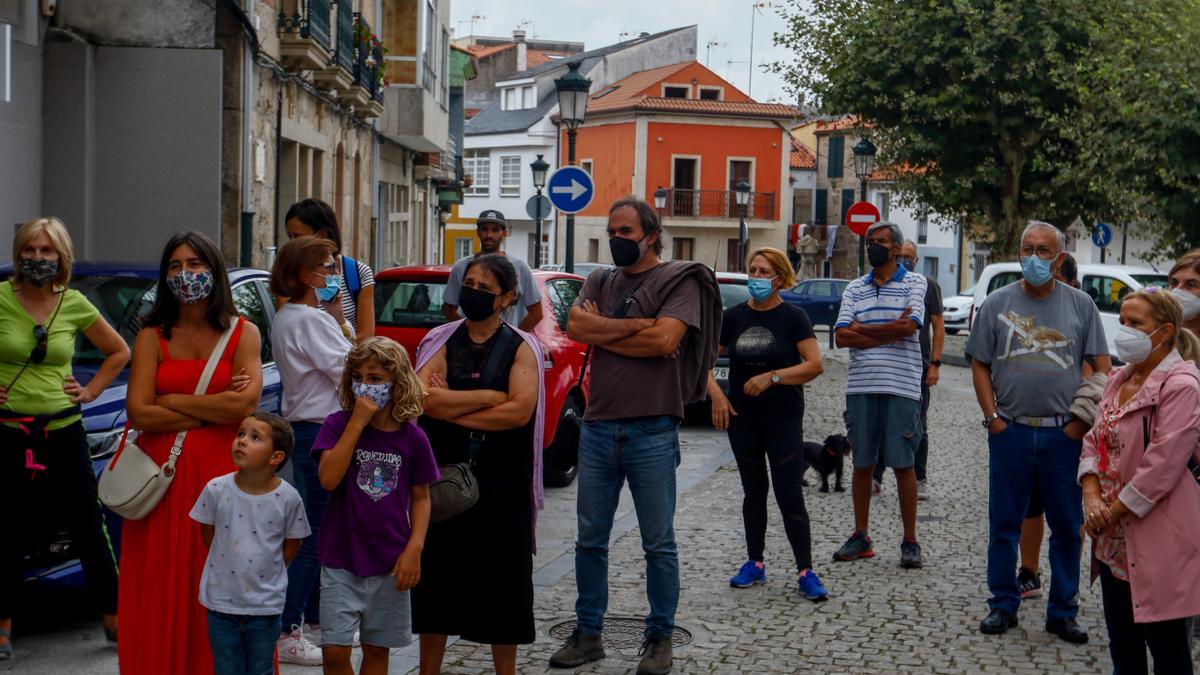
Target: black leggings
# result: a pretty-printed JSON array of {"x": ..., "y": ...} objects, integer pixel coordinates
[
  {"x": 756, "y": 441},
  {"x": 1127, "y": 641},
  {"x": 65, "y": 492}
]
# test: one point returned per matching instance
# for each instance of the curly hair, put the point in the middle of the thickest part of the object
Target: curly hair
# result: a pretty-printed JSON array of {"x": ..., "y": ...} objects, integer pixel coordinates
[{"x": 407, "y": 397}]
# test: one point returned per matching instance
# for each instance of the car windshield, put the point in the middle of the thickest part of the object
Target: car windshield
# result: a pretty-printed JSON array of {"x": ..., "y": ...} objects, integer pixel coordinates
[
  {"x": 733, "y": 294},
  {"x": 409, "y": 304},
  {"x": 122, "y": 301},
  {"x": 1148, "y": 280}
]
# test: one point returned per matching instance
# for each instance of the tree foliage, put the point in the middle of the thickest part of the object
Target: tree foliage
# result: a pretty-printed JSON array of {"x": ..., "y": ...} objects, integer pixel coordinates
[{"x": 998, "y": 111}]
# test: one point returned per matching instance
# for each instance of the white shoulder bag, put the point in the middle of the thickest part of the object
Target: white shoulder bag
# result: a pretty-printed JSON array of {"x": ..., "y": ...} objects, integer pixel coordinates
[{"x": 132, "y": 484}]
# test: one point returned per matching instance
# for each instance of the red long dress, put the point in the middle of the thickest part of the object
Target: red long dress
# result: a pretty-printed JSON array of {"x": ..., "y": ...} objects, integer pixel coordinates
[{"x": 163, "y": 627}]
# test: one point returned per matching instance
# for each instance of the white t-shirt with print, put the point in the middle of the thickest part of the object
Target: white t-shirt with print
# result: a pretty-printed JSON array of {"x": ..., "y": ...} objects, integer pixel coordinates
[{"x": 244, "y": 573}]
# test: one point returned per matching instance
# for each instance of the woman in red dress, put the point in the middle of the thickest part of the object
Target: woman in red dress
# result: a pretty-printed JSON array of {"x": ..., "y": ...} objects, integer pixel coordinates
[{"x": 163, "y": 626}]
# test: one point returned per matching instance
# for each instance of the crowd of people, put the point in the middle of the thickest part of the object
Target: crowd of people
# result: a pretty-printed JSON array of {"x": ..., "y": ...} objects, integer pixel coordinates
[{"x": 406, "y": 475}]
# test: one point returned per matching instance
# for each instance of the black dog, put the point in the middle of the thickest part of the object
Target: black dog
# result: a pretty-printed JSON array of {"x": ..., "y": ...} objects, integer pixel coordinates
[{"x": 825, "y": 459}]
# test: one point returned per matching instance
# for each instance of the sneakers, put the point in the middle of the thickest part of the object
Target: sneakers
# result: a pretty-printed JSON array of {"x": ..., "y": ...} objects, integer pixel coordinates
[
  {"x": 297, "y": 649},
  {"x": 857, "y": 546},
  {"x": 657, "y": 655},
  {"x": 812, "y": 588},
  {"x": 1029, "y": 583},
  {"x": 578, "y": 650},
  {"x": 922, "y": 491},
  {"x": 752, "y": 572},
  {"x": 910, "y": 554}
]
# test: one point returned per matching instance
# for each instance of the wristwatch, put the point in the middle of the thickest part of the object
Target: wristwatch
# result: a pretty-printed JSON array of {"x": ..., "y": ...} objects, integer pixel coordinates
[
  {"x": 775, "y": 378},
  {"x": 936, "y": 362},
  {"x": 987, "y": 421}
]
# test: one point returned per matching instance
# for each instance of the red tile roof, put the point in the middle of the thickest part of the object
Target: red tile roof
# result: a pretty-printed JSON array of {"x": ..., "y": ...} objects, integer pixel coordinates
[
  {"x": 484, "y": 51},
  {"x": 629, "y": 94},
  {"x": 622, "y": 94},
  {"x": 840, "y": 124},
  {"x": 536, "y": 57},
  {"x": 802, "y": 158},
  {"x": 731, "y": 108}
]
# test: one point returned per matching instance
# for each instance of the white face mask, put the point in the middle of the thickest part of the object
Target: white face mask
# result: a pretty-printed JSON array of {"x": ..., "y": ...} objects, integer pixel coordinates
[
  {"x": 1189, "y": 302},
  {"x": 1134, "y": 346}
]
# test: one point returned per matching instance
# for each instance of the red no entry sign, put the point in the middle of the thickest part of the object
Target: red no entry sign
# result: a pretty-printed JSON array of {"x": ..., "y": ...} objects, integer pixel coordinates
[{"x": 860, "y": 216}]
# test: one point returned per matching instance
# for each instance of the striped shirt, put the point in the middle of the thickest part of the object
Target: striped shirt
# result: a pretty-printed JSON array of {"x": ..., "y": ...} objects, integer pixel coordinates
[{"x": 894, "y": 368}]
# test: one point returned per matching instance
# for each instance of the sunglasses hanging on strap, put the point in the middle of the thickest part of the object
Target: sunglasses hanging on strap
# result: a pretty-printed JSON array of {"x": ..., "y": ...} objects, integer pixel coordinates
[{"x": 41, "y": 345}]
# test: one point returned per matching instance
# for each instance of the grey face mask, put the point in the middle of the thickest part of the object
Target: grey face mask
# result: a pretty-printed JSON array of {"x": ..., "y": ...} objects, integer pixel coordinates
[{"x": 39, "y": 272}]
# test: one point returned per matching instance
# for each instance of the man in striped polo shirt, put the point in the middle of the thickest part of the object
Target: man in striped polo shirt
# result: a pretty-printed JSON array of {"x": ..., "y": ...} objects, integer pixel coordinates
[{"x": 881, "y": 314}]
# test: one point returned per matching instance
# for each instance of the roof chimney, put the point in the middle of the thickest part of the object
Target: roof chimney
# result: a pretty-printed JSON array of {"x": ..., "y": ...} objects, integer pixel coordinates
[
  {"x": 643, "y": 34},
  {"x": 522, "y": 50}
]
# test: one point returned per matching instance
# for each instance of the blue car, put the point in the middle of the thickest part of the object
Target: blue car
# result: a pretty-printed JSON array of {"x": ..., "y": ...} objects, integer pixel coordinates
[
  {"x": 124, "y": 293},
  {"x": 821, "y": 299}
]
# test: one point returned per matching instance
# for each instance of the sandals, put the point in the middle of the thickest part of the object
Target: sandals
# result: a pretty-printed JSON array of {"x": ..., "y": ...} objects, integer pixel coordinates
[{"x": 6, "y": 648}]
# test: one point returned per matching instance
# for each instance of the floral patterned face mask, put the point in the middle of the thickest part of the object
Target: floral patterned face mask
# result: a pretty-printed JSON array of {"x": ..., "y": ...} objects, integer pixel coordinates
[
  {"x": 191, "y": 287},
  {"x": 380, "y": 394}
]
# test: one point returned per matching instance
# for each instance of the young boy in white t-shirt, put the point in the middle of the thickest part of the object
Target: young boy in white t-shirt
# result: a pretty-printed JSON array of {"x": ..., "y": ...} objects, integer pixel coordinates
[{"x": 252, "y": 523}]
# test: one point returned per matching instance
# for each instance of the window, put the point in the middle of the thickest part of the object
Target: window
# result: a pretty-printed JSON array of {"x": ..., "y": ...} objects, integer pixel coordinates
[
  {"x": 563, "y": 293},
  {"x": 510, "y": 176},
  {"x": 586, "y": 165},
  {"x": 1107, "y": 292},
  {"x": 929, "y": 267},
  {"x": 429, "y": 56},
  {"x": 922, "y": 226},
  {"x": 249, "y": 302},
  {"x": 412, "y": 304},
  {"x": 821, "y": 208},
  {"x": 711, "y": 93},
  {"x": 463, "y": 247},
  {"x": 820, "y": 289},
  {"x": 884, "y": 201},
  {"x": 675, "y": 92},
  {"x": 510, "y": 99},
  {"x": 478, "y": 165},
  {"x": 683, "y": 248},
  {"x": 593, "y": 250},
  {"x": 837, "y": 145},
  {"x": 527, "y": 97}
]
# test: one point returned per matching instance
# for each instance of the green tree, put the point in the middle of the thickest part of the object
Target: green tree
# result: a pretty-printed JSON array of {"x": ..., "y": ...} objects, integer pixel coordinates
[{"x": 980, "y": 105}]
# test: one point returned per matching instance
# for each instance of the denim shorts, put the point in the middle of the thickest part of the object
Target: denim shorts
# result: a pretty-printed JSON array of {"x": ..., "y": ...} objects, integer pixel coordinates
[
  {"x": 883, "y": 428},
  {"x": 370, "y": 605}
]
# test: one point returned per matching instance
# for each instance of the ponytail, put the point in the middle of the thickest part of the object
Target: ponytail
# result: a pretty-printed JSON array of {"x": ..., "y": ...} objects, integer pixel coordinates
[{"x": 1188, "y": 345}]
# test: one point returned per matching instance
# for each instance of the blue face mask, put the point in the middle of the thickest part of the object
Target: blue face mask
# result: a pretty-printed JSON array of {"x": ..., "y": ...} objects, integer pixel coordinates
[
  {"x": 333, "y": 285},
  {"x": 760, "y": 289},
  {"x": 1037, "y": 271}
]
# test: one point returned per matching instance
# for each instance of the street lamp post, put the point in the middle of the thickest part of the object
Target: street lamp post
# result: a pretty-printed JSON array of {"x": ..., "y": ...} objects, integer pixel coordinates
[
  {"x": 864, "y": 165},
  {"x": 660, "y": 200},
  {"x": 539, "y": 167},
  {"x": 573, "y": 91},
  {"x": 742, "y": 192}
]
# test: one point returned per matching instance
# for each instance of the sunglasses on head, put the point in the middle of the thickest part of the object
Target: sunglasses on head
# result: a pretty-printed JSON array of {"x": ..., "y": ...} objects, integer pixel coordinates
[{"x": 42, "y": 336}]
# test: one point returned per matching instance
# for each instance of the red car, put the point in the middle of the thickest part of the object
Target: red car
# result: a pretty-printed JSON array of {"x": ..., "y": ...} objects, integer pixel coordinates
[{"x": 408, "y": 302}]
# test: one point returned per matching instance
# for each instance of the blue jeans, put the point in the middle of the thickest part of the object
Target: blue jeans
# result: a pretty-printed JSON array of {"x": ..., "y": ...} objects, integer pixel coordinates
[
  {"x": 242, "y": 645},
  {"x": 303, "y": 601},
  {"x": 1014, "y": 454},
  {"x": 646, "y": 451}
]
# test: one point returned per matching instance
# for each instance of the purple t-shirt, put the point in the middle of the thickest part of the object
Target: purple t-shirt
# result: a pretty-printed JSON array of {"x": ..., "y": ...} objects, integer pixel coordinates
[{"x": 366, "y": 525}]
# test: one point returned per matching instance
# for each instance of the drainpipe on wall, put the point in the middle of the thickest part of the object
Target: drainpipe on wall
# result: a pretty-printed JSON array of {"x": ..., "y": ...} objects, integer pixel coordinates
[
  {"x": 278, "y": 164},
  {"x": 246, "y": 245}
]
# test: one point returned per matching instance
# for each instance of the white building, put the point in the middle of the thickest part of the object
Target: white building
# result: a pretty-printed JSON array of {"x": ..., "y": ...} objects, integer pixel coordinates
[{"x": 939, "y": 247}]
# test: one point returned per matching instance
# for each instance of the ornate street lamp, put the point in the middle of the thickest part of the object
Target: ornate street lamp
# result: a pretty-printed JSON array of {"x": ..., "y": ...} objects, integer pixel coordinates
[
  {"x": 660, "y": 200},
  {"x": 539, "y": 167},
  {"x": 864, "y": 166},
  {"x": 573, "y": 91},
  {"x": 742, "y": 192}
]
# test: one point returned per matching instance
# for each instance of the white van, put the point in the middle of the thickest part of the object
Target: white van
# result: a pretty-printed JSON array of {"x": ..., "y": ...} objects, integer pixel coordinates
[{"x": 1106, "y": 284}]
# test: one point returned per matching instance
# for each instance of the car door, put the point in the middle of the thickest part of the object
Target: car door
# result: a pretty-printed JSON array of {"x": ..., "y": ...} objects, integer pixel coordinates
[
  {"x": 254, "y": 303},
  {"x": 819, "y": 299},
  {"x": 796, "y": 295}
]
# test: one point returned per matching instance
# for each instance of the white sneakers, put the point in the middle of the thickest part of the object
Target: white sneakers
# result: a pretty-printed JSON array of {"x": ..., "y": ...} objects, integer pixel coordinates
[{"x": 296, "y": 648}]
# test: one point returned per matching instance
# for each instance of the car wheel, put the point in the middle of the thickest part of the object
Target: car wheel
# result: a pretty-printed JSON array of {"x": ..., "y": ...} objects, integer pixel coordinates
[
  {"x": 561, "y": 460},
  {"x": 951, "y": 331}
]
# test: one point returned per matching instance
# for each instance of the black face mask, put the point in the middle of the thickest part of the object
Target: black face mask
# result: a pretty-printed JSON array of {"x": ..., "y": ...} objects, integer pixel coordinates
[
  {"x": 475, "y": 304},
  {"x": 877, "y": 255},
  {"x": 625, "y": 252}
]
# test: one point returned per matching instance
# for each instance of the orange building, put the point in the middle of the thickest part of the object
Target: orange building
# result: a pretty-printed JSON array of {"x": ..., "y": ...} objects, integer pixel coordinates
[{"x": 684, "y": 128}]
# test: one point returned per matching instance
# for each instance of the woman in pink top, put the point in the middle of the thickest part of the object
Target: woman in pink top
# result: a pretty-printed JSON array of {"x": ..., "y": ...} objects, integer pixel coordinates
[{"x": 1139, "y": 500}]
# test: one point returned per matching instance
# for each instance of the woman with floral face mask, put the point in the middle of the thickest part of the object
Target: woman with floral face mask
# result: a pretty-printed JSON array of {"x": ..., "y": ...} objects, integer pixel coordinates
[
  {"x": 1139, "y": 499},
  {"x": 163, "y": 624},
  {"x": 43, "y": 445},
  {"x": 772, "y": 354},
  {"x": 310, "y": 351}
]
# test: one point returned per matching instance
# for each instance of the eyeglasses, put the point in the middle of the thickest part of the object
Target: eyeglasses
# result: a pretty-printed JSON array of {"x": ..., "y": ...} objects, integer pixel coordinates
[
  {"x": 42, "y": 336},
  {"x": 1043, "y": 252}
]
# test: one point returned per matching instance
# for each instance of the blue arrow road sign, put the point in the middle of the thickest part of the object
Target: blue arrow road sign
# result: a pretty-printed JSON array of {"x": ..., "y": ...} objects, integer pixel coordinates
[
  {"x": 570, "y": 189},
  {"x": 1102, "y": 235}
]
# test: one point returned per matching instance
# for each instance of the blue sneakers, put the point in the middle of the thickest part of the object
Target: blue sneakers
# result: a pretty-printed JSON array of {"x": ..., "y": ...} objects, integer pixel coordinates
[
  {"x": 752, "y": 572},
  {"x": 812, "y": 588}
]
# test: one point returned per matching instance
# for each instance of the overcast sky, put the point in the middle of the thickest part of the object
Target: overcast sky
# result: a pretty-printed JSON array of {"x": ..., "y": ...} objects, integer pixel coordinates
[{"x": 599, "y": 23}]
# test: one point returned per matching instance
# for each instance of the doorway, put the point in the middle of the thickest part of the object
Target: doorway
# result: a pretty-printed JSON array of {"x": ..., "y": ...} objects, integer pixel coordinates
[
  {"x": 683, "y": 183},
  {"x": 740, "y": 170}
]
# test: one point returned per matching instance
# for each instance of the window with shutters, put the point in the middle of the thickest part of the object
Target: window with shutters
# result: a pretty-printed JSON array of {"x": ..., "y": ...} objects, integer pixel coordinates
[
  {"x": 821, "y": 208},
  {"x": 837, "y": 147}
]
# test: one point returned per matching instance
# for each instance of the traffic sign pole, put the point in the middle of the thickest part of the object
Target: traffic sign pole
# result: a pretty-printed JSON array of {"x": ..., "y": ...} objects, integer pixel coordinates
[{"x": 859, "y": 218}]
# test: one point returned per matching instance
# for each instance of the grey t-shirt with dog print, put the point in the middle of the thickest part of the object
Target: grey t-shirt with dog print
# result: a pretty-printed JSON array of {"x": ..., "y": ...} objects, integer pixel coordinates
[{"x": 1036, "y": 347}]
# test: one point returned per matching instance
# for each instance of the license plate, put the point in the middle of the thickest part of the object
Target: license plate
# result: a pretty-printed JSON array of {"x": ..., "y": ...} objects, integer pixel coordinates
[{"x": 720, "y": 373}]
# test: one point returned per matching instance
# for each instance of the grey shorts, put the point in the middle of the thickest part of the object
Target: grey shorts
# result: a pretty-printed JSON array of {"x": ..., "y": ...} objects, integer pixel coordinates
[
  {"x": 370, "y": 605},
  {"x": 882, "y": 428}
]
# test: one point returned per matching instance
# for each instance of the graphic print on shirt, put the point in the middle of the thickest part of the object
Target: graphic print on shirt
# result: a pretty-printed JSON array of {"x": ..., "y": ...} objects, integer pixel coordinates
[
  {"x": 755, "y": 346},
  {"x": 378, "y": 472},
  {"x": 1026, "y": 338}
]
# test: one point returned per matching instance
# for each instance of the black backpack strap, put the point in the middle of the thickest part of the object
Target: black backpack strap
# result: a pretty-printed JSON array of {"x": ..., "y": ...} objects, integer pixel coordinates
[{"x": 491, "y": 366}]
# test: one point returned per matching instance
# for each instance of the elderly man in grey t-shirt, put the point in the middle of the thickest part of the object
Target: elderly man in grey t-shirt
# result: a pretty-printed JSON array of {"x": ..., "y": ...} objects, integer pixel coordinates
[
  {"x": 526, "y": 312},
  {"x": 1027, "y": 347}
]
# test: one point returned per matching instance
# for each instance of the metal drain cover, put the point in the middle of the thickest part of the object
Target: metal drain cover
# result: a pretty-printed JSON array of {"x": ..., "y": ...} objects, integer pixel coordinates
[{"x": 621, "y": 632}]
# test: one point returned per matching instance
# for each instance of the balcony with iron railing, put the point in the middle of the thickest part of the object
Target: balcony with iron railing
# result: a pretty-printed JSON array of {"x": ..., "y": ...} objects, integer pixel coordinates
[
  {"x": 304, "y": 35},
  {"x": 368, "y": 69},
  {"x": 718, "y": 204}
]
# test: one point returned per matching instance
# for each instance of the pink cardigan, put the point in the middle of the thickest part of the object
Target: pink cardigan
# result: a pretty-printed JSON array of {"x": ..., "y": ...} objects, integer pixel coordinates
[
  {"x": 1162, "y": 532},
  {"x": 436, "y": 338}
]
